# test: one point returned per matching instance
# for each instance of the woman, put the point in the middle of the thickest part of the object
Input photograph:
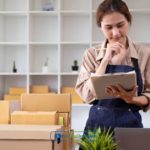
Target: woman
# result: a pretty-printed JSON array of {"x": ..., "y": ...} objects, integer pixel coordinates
[{"x": 116, "y": 54}]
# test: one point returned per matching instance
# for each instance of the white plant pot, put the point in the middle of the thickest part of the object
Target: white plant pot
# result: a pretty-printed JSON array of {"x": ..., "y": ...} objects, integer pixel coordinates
[{"x": 45, "y": 69}]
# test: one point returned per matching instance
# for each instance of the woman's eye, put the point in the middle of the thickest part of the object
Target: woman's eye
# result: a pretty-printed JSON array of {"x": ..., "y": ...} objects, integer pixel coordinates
[
  {"x": 108, "y": 28},
  {"x": 120, "y": 25}
]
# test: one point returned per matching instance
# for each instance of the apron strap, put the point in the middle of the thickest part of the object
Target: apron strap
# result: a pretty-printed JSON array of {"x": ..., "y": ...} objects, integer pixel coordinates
[{"x": 138, "y": 75}]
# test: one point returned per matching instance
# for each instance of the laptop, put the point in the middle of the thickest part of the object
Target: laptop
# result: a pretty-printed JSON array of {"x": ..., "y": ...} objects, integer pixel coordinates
[{"x": 133, "y": 138}]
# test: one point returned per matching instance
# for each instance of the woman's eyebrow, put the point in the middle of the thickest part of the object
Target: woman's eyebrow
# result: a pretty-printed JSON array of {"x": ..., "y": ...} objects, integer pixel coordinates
[{"x": 108, "y": 25}]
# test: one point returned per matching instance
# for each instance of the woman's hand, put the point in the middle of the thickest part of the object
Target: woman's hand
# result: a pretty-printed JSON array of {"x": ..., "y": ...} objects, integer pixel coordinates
[
  {"x": 115, "y": 53},
  {"x": 119, "y": 92}
]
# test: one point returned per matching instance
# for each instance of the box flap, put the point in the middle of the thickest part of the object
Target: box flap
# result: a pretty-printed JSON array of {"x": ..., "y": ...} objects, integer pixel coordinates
[
  {"x": 34, "y": 132},
  {"x": 46, "y": 102}
]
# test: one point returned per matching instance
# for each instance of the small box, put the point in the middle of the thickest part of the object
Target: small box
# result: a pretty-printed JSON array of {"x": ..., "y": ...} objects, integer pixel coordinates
[
  {"x": 17, "y": 91},
  {"x": 64, "y": 119},
  {"x": 37, "y": 118},
  {"x": 29, "y": 137},
  {"x": 4, "y": 112},
  {"x": 76, "y": 99},
  {"x": 46, "y": 102},
  {"x": 12, "y": 97},
  {"x": 39, "y": 89}
]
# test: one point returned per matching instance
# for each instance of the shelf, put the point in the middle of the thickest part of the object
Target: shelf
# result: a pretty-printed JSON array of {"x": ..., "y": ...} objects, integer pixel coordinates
[
  {"x": 140, "y": 11},
  {"x": 13, "y": 43},
  {"x": 43, "y": 74},
  {"x": 69, "y": 73},
  {"x": 43, "y": 13},
  {"x": 14, "y": 13},
  {"x": 75, "y": 13},
  {"x": 81, "y": 105},
  {"x": 12, "y": 74},
  {"x": 43, "y": 43},
  {"x": 74, "y": 43}
]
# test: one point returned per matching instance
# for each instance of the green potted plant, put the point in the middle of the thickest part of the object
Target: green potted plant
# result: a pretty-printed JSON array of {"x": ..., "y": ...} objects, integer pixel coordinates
[
  {"x": 75, "y": 66},
  {"x": 99, "y": 140}
]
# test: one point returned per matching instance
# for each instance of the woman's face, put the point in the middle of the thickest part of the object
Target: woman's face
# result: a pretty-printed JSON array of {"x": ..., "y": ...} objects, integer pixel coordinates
[{"x": 115, "y": 27}]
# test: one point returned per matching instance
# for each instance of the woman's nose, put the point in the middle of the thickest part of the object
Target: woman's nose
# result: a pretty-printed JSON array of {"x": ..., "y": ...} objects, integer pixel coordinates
[{"x": 115, "y": 31}]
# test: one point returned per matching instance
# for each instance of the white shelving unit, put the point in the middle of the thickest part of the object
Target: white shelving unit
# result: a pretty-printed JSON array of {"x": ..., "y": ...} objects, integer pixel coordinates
[{"x": 29, "y": 35}]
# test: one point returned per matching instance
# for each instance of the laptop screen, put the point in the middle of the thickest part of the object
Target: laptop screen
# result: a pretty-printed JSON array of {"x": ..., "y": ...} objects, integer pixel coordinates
[{"x": 133, "y": 138}]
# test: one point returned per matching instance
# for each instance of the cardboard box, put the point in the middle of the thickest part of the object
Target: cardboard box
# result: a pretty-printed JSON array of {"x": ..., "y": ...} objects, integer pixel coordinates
[
  {"x": 12, "y": 97},
  {"x": 46, "y": 102},
  {"x": 17, "y": 90},
  {"x": 4, "y": 112},
  {"x": 76, "y": 99},
  {"x": 38, "y": 118},
  {"x": 39, "y": 89},
  {"x": 29, "y": 137}
]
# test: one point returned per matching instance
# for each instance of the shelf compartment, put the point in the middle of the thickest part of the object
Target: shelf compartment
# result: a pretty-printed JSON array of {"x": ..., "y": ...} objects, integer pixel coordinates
[
  {"x": 142, "y": 34},
  {"x": 37, "y": 5},
  {"x": 8, "y": 81},
  {"x": 95, "y": 4},
  {"x": 39, "y": 54},
  {"x": 75, "y": 5},
  {"x": 51, "y": 81},
  {"x": 97, "y": 35},
  {"x": 13, "y": 5},
  {"x": 43, "y": 28},
  {"x": 138, "y": 4},
  {"x": 70, "y": 53},
  {"x": 9, "y": 53},
  {"x": 68, "y": 81},
  {"x": 13, "y": 25},
  {"x": 75, "y": 28}
]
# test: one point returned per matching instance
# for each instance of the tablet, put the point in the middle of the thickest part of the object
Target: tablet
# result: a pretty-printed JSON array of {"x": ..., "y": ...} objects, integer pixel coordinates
[{"x": 99, "y": 83}]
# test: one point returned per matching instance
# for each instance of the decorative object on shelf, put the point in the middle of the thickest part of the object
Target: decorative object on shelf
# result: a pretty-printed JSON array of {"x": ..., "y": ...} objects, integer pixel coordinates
[
  {"x": 75, "y": 66},
  {"x": 47, "y": 5},
  {"x": 99, "y": 139},
  {"x": 14, "y": 67},
  {"x": 45, "y": 66}
]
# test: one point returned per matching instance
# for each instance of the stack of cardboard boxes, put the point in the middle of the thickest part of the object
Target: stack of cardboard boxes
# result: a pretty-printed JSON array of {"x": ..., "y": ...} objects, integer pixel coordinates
[
  {"x": 41, "y": 109},
  {"x": 15, "y": 93}
]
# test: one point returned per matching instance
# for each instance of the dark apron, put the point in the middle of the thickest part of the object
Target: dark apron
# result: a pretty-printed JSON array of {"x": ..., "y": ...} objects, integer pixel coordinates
[{"x": 112, "y": 113}]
